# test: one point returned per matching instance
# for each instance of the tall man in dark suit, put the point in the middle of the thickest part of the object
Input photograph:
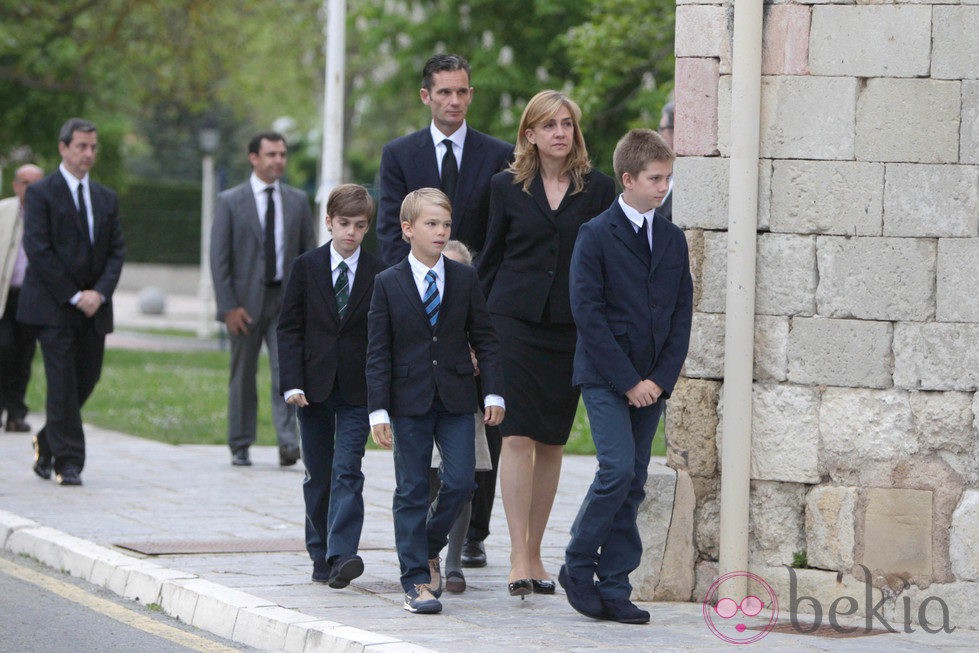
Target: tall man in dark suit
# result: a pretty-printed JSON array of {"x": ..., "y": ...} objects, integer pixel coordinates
[
  {"x": 260, "y": 227},
  {"x": 424, "y": 159},
  {"x": 75, "y": 250}
]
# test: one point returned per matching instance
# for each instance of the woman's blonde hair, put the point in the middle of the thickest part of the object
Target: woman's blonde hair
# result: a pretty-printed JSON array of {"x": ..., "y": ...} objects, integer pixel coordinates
[{"x": 526, "y": 160}]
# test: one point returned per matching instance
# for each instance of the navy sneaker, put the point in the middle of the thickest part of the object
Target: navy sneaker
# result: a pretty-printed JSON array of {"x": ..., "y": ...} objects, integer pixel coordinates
[
  {"x": 345, "y": 569},
  {"x": 321, "y": 571},
  {"x": 582, "y": 594},
  {"x": 420, "y": 600},
  {"x": 624, "y": 611}
]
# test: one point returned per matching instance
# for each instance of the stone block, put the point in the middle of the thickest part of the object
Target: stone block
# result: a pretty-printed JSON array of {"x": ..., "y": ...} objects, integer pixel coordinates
[
  {"x": 931, "y": 200},
  {"x": 958, "y": 274},
  {"x": 790, "y": 129},
  {"x": 955, "y": 42},
  {"x": 857, "y": 426},
  {"x": 265, "y": 628},
  {"x": 913, "y": 120},
  {"x": 702, "y": 31},
  {"x": 969, "y": 145},
  {"x": 944, "y": 420},
  {"x": 964, "y": 542},
  {"x": 706, "y": 575},
  {"x": 958, "y": 599},
  {"x": 691, "y": 427},
  {"x": 707, "y": 516},
  {"x": 701, "y": 200},
  {"x": 871, "y": 41},
  {"x": 785, "y": 274},
  {"x": 823, "y": 586},
  {"x": 776, "y": 522},
  {"x": 9, "y": 522},
  {"x": 831, "y": 513},
  {"x": 852, "y": 353},
  {"x": 144, "y": 581},
  {"x": 677, "y": 575},
  {"x": 898, "y": 524},
  {"x": 696, "y": 106},
  {"x": 705, "y": 357},
  {"x": 784, "y": 433},
  {"x": 785, "y": 41},
  {"x": 771, "y": 347},
  {"x": 695, "y": 247},
  {"x": 827, "y": 197},
  {"x": 106, "y": 562},
  {"x": 936, "y": 356},
  {"x": 876, "y": 278},
  {"x": 218, "y": 606},
  {"x": 653, "y": 521}
]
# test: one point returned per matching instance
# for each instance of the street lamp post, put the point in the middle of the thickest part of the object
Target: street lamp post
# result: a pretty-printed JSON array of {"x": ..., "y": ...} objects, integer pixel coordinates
[{"x": 208, "y": 138}]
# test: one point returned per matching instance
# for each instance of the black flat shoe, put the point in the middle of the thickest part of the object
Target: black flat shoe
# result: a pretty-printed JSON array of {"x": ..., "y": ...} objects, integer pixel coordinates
[
  {"x": 521, "y": 588},
  {"x": 542, "y": 586}
]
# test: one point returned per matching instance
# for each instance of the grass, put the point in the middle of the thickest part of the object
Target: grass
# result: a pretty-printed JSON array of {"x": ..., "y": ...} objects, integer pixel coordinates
[{"x": 182, "y": 398}]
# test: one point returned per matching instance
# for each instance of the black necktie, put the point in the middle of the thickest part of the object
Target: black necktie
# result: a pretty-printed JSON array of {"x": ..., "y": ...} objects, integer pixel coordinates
[
  {"x": 270, "y": 237},
  {"x": 450, "y": 170},
  {"x": 641, "y": 234},
  {"x": 83, "y": 212}
]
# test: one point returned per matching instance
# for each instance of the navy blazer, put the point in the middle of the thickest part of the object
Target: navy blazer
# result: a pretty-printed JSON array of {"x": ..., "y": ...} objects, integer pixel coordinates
[
  {"x": 632, "y": 307},
  {"x": 62, "y": 259},
  {"x": 317, "y": 350},
  {"x": 409, "y": 163},
  {"x": 408, "y": 362},
  {"x": 524, "y": 266}
]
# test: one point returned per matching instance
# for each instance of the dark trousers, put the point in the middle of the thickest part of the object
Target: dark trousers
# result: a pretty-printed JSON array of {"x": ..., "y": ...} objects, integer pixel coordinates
[
  {"x": 421, "y": 531},
  {"x": 604, "y": 537},
  {"x": 333, "y": 436},
  {"x": 17, "y": 344},
  {"x": 72, "y": 364},
  {"x": 485, "y": 494}
]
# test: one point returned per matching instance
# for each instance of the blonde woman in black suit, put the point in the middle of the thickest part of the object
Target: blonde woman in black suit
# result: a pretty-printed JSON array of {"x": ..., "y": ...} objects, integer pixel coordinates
[{"x": 536, "y": 208}]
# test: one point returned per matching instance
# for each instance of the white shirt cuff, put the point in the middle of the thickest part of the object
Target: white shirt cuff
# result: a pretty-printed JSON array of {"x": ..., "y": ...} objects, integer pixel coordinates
[
  {"x": 379, "y": 417},
  {"x": 494, "y": 400},
  {"x": 74, "y": 298},
  {"x": 292, "y": 393}
]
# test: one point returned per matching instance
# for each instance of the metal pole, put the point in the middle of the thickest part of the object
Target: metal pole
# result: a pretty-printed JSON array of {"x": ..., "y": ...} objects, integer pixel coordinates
[
  {"x": 331, "y": 172},
  {"x": 740, "y": 299},
  {"x": 205, "y": 328}
]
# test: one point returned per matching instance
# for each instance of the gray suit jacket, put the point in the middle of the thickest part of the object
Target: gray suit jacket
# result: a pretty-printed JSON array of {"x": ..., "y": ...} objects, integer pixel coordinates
[
  {"x": 11, "y": 231},
  {"x": 237, "y": 254}
]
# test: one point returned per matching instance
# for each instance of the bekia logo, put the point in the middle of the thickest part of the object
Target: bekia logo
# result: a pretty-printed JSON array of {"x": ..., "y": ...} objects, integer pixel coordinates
[{"x": 743, "y": 622}]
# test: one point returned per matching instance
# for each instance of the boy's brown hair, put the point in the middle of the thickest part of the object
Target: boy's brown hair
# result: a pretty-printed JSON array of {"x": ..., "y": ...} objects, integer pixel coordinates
[
  {"x": 416, "y": 200},
  {"x": 636, "y": 150},
  {"x": 350, "y": 201}
]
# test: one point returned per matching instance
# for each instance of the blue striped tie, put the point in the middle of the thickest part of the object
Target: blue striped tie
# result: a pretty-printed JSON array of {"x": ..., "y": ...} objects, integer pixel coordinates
[{"x": 431, "y": 301}]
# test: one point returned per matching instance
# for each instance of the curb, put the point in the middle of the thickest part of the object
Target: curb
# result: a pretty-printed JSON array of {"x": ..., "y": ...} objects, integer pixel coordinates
[{"x": 225, "y": 612}]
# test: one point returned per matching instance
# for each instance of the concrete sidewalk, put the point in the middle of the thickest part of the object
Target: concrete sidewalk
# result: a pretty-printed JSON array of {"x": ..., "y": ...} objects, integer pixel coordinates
[{"x": 146, "y": 494}]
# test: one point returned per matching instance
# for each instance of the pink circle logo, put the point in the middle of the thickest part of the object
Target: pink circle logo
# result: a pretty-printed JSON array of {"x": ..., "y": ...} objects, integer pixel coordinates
[{"x": 743, "y": 622}]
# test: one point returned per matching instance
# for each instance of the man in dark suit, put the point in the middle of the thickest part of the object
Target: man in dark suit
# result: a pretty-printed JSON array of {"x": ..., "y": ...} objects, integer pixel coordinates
[
  {"x": 463, "y": 171},
  {"x": 666, "y": 131},
  {"x": 260, "y": 227},
  {"x": 322, "y": 357},
  {"x": 632, "y": 297},
  {"x": 75, "y": 250}
]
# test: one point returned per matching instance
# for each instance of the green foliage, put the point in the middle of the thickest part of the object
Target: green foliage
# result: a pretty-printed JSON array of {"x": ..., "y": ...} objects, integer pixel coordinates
[
  {"x": 800, "y": 560},
  {"x": 161, "y": 221}
]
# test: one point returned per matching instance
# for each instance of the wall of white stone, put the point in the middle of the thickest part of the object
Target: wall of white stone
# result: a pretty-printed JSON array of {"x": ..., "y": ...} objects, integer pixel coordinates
[{"x": 865, "y": 446}]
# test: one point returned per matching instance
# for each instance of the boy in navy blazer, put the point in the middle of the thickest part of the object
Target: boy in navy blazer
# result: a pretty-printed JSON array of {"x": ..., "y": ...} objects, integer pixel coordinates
[
  {"x": 631, "y": 296},
  {"x": 425, "y": 313},
  {"x": 322, "y": 342}
]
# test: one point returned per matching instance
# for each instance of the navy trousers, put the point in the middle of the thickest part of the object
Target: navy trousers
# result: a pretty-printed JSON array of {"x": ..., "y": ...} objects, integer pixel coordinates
[
  {"x": 604, "y": 537},
  {"x": 333, "y": 436},
  {"x": 421, "y": 531}
]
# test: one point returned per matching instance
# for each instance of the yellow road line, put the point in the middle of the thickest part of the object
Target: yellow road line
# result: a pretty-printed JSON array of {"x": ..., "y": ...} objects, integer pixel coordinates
[{"x": 112, "y": 610}]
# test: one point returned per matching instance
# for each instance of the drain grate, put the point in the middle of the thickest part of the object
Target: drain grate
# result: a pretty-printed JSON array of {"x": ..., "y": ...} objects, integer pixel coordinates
[
  {"x": 822, "y": 630},
  {"x": 237, "y": 545}
]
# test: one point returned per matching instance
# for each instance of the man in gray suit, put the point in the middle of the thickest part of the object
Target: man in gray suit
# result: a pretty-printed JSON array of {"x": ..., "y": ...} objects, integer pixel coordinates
[{"x": 260, "y": 226}]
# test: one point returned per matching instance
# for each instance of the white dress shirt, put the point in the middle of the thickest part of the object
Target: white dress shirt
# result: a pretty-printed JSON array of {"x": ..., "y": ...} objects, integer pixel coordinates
[
  {"x": 636, "y": 218},
  {"x": 458, "y": 139},
  {"x": 73, "y": 183},
  {"x": 261, "y": 203}
]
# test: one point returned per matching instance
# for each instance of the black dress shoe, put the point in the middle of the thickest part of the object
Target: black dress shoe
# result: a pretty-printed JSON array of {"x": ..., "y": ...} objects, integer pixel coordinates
[
  {"x": 288, "y": 456},
  {"x": 42, "y": 464},
  {"x": 624, "y": 611},
  {"x": 239, "y": 457},
  {"x": 321, "y": 571},
  {"x": 542, "y": 586},
  {"x": 70, "y": 475},
  {"x": 520, "y": 588},
  {"x": 473, "y": 554},
  {"x": 18, "y": 426},
  {"x": 345, "y": 569},
  {"x": 582, "y": 594}
]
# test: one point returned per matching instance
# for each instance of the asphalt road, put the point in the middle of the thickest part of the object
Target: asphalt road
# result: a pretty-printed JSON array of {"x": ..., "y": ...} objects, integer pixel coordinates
[{"x": 45, "y": 610}]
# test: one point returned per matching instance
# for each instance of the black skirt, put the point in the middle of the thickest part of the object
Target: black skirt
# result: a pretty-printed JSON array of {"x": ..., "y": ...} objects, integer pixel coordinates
[{"x": 538, "y": 361}]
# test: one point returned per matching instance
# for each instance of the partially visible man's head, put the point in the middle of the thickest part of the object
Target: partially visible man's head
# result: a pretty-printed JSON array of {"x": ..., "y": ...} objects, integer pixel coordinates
[
  {"x": 24, "y": 177},
  {"x": 666, "y": 123},
  {"x": 77, "y": 143},
  {"x": 267, "y": 153}
]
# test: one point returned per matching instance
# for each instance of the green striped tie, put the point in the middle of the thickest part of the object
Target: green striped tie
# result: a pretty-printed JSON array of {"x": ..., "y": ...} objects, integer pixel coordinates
[{"x": 342, "y": 289}]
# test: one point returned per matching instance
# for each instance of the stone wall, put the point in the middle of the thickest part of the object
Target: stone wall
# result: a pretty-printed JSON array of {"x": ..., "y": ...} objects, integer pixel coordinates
[{"x": 865, "y": 446}]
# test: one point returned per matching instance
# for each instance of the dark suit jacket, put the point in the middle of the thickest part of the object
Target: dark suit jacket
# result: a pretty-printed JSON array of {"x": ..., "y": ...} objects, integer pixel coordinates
[
  {"x": 62, "y": 260},
  {"x": 632, "y": 308},
  {"x": 408, "y": 362},
  {"x": 317, "y": 350},
  {"x": 524, "y": 264},
  {"x": 408, "y": 163}
]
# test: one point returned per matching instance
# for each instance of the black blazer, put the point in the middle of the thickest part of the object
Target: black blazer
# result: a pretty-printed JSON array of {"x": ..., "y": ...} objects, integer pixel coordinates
[
  {"x": 408, "y": 362},
  {"x": 62, "y": 260},
  {"x": 408, "y": 163},
  {"x": 317, "y": 350},
  {"x": 632, "y": 308},
  {"x": 524, "y": 264}
]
